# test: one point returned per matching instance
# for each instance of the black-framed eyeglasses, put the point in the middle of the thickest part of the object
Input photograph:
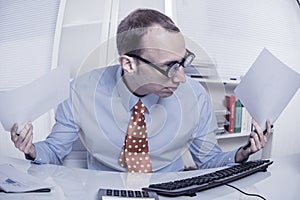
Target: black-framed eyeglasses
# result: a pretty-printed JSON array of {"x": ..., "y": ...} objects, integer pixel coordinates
[{"x": 172, "y": 67}]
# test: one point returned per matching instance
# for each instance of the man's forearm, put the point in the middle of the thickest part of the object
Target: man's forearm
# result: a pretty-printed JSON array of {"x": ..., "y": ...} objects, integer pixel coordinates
[
  {"x": 31, "y": 155},
  {"x": 241, "y": 155}
]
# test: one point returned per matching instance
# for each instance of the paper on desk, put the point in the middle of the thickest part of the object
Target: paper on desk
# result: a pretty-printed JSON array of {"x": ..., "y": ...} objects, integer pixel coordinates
[
  {"x": 267, "y": 88},
  {"x": 14, "y": 180},
  {"x": 30, "y": 101}
]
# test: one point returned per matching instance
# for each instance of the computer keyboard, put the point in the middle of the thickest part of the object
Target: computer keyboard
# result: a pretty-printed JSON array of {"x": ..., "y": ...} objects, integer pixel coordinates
[{"x": 190, "y": 186}]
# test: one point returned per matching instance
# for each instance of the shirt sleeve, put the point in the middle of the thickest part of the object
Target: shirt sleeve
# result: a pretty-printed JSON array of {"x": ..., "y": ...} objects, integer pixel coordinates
[
  {"x": 58, "y": 143},
  {"x": 208, "y": 154},
  {"x": 204, "y": 148}
]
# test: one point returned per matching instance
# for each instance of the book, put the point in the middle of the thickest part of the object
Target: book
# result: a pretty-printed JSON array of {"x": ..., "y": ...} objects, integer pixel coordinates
[
  {"x": 238, "y": 117},
  {"x": 220, "y": 113},
  {"x": 246, "y": 126},
  {"x": 13, "y": 180},
  {"x": 230, "y": 105}
]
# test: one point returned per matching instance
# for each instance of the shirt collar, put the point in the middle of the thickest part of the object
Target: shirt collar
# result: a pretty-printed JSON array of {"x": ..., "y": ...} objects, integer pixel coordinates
[{"x": 128, "y": 99}]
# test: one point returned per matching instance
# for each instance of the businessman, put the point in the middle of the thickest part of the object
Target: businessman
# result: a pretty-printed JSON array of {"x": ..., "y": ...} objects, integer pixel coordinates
[{"x": 142, "y": 115}]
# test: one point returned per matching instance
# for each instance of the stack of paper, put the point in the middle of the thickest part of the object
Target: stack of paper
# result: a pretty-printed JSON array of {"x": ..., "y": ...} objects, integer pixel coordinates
[{"x": 13, "y": 180}]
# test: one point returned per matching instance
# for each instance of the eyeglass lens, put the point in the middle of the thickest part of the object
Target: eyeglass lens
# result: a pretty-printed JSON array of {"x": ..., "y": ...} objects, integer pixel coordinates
[{"x": 187, "y": 61}]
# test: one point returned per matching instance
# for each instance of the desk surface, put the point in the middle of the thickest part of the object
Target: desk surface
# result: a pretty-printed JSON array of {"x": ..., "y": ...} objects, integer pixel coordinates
[{"x": 281, "y": 181}]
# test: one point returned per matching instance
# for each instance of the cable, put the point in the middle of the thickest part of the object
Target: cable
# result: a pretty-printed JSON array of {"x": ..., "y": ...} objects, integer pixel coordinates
[{"x": 249, "y": 194}]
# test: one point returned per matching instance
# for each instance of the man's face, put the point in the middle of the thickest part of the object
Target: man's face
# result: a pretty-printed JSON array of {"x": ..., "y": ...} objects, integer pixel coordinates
[{"x": 160, "y": 48}]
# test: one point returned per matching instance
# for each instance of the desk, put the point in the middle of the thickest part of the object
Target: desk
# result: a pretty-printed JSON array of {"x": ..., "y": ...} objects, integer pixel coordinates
[{"x": 281, "y": 181}]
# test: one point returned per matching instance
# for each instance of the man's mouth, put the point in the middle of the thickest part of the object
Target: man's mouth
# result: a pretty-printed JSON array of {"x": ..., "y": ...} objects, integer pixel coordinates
[{"x": 172, "y": 89}]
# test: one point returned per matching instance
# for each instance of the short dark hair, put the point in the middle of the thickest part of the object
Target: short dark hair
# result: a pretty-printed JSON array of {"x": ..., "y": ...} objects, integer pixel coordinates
[{"x": 133, "y": 27}]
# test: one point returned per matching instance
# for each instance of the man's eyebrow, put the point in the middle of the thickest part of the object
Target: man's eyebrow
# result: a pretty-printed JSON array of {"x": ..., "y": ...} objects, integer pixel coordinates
[
  {"x": 180, "y": 58},
  {"x": 171, "y": 62}
]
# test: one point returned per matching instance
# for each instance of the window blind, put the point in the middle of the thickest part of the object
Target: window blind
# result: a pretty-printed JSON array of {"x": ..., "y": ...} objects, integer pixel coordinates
[
  {"x": 26, "y": 40},
  {"x": 234, "y": 32}
]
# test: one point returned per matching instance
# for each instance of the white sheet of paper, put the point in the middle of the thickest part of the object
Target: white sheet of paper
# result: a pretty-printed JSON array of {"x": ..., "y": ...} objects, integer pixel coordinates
[
  {"x": 14, "y": 180},
  {"x": 30, "y": 101},
  {"x": 267, "y": 88}
]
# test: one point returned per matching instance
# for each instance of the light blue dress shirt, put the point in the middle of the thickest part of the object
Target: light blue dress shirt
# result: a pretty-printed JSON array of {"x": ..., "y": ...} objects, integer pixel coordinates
[{"x": 99, "y": 109}]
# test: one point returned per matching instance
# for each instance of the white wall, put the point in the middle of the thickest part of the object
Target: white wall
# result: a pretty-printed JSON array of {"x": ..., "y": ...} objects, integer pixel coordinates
[{"x": 286, "y": 137}]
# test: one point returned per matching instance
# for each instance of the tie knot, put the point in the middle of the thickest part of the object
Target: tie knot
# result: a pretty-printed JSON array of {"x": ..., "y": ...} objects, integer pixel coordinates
[{"x": 140, "y": 107}]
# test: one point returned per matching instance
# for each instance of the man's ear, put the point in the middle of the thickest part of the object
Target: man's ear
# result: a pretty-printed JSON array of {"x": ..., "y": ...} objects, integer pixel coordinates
[{"x": 128, "y": 63}]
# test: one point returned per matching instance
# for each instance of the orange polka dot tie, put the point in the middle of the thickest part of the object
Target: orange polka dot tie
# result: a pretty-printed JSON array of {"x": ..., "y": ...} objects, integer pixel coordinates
[{"x": 135, "y": 153}]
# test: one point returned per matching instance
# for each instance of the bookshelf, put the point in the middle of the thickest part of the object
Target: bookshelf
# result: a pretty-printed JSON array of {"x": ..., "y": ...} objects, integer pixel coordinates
[
  {"x": 218, "y": 88},
  {"x": 232, "y": 83},
  {"x": 233, "y": 135}
]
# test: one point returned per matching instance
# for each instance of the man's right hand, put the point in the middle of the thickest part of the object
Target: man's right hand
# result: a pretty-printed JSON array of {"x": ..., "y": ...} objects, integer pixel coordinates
[{"x": 23, "y": 139}]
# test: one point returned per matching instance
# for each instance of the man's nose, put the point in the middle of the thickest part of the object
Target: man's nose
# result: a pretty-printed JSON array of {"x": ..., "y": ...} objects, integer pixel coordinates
[{"x": 179, "y": 76}]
